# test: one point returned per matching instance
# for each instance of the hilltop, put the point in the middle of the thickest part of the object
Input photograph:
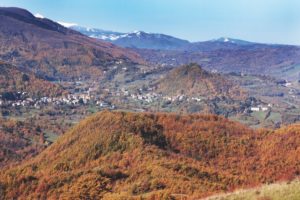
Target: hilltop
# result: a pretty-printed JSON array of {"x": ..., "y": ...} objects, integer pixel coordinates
[
  {"x": 115, "y": 155},
  {"x": 53, "y": 51},
  {"x": 193, "y": 80}
]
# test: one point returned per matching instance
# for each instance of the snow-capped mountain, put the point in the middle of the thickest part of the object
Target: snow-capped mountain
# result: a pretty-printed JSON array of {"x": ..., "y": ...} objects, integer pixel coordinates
[
  {"x": 98, "y": 33},
  {"x": 156, "y": 41},
  {"x": 67, "y": 24},
  {"x": 232, "y": 41},
  {"x": 135, "y": 39},
  {"x": 38, "y": 15}
]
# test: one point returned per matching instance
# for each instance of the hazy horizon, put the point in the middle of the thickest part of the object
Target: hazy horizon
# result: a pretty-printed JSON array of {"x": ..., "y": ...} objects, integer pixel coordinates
[{"x": 270, "y": 21}]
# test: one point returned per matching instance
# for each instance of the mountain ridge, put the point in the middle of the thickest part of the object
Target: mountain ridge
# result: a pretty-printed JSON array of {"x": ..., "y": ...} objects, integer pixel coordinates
[
  {"x": 52, "y": 51},
  {"x": 135, "y": 39},
  {"x": 111, "y": 36},
  {"x": 224, "y": 54}
]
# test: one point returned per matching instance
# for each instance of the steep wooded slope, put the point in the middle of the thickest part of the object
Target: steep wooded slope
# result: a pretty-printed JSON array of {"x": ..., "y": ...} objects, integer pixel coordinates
[
  {"x": 53, "y": 51},
  {"x": 13, "y": 81}
]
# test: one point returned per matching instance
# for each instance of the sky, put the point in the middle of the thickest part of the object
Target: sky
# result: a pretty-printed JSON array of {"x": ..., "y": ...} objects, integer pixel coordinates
[{"x": 267, "y": 21}]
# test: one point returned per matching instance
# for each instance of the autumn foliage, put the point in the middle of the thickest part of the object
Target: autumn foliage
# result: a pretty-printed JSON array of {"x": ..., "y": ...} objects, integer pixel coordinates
[
  {"x": 193, "y": 80},
  {"x": 118, "y": 155},
  {"x": 44, "y": 47},
  {"x": 15, "y": 144},
  {"x": 12, "y": 81}
]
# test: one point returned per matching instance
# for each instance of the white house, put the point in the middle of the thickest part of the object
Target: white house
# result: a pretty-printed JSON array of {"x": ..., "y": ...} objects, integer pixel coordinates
[{"x": 259, "y": 108}]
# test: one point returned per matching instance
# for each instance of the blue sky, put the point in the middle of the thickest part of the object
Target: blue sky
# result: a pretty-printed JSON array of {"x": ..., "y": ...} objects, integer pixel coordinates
[{"x": 271, "y": 21}]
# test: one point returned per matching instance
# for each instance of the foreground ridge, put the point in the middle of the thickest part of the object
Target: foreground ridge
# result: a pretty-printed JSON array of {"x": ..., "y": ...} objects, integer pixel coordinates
[{"x": 117, "y": 155}]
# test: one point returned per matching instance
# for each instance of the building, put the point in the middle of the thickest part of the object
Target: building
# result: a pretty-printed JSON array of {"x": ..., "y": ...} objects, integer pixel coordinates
[{"x": 259, "y": 108}]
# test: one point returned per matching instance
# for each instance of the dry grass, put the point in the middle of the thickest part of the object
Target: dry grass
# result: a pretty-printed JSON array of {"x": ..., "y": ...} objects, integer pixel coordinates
[{"x": 278, "y": 191}]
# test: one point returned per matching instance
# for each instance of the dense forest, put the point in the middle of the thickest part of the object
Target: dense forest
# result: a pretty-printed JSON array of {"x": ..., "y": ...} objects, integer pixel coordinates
[
  {"x": 18, "y": 141},
  {"x": 119, "y": 155},
  {"x": 193, "y": 80},
  {"x": 14, "y": 82}
]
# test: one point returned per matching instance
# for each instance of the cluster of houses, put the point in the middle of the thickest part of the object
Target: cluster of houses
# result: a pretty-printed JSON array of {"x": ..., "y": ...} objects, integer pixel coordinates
[
  {"x": 70, "y": 99},
  {"x": 105, "y": 105},
  {"x": 181, "y": 98},
  {"x": 38, "y": 102},
  {"x": 148, "y": 96},
  {"x": 262, "y": 108}
]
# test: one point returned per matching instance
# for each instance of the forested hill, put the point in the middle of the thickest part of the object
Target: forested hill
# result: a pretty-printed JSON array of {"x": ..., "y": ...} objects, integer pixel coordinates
[{"x": 118, "y": 155}]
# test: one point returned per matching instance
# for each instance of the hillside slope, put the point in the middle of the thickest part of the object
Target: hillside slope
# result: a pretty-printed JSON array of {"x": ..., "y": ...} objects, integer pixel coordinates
[
  {"x": 13, "y": 81},
  {"x": 53, "y": 51},
  {"x": 116, "y": 155},
  {"x": 18, "y": 141}
]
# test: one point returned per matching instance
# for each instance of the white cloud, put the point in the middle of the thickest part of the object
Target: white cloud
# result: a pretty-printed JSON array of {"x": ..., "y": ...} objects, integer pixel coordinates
[
  {"x": 38, "y": 15},
  {"x": 66, "y": 24}
]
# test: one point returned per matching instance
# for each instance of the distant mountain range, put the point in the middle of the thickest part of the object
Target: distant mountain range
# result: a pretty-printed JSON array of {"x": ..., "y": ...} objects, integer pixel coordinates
[
  {"x": 224, "y": 54},
  {"x": 135, "y": 39},
  {"x": 157, "y": 41},
  {"x": 53, "y": 51}
]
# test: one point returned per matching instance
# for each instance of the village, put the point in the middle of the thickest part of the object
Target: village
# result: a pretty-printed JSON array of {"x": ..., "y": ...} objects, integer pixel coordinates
[
  {"x": 85, "y": 93},
  {"x": 147, "y": 96},
  {"x": 76, "y": 99},
  {"x": 103, "y": 98}
]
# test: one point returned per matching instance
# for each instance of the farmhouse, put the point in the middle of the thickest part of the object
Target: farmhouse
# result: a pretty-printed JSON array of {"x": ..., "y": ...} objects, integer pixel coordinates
[{"x": 259, "y": 108}]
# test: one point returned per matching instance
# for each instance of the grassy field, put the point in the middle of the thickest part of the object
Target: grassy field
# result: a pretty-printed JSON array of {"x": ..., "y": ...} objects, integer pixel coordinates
[
  {"x": 51, "y": 137},
  {"x": 279, "y": 191},
  {"x": 259, "y": 115},
  {"x": 292, "y": 73}
]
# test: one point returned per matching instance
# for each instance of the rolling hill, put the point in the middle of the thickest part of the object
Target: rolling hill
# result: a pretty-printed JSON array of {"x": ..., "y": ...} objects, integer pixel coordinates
[
  {"x": 225, "y": 57},
  {"x": 52, "y": 51},
  {"x": 192, "y": 80},
  {"x": 118, "y": 155}
]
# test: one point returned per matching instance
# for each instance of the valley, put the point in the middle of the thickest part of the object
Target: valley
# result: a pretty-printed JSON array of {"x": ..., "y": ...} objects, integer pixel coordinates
[
  {"x": 248, "y": 104},
  {"x": 87, "y": 113}
]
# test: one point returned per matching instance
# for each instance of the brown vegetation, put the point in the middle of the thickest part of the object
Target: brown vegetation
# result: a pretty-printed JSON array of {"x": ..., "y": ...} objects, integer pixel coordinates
[
  {"x": 12, "y": 80},
  {"x": 192, "y": 80},
  {"x": 53, "y": 51},
  {"x": 18, "y": 141},
  {"x": 117, "y": 155}
]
